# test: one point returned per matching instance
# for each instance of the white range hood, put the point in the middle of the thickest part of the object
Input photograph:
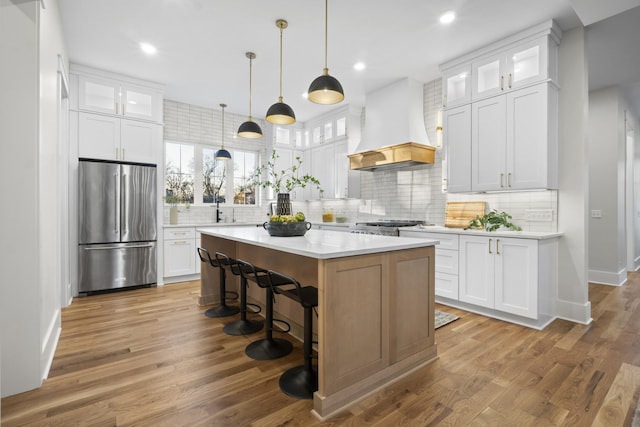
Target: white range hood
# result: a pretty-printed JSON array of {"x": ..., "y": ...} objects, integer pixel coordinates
[{"x": 395, "y": 134}]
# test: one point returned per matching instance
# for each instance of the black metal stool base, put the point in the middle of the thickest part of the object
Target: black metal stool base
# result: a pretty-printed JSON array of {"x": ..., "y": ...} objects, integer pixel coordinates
[
  {"x": 222, "y": 311},
  {"x": 299, "y": 382},
  {"x": 265, "y": 349},
  {"x": 242, "y": 327}
]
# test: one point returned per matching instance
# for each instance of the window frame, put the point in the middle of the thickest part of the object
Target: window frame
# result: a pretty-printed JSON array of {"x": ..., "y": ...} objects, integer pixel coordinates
[{"x": 198, "y": 182}]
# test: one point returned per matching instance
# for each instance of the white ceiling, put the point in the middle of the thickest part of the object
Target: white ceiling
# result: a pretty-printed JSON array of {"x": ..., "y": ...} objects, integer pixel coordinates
[{"x": 202, "y": 43}]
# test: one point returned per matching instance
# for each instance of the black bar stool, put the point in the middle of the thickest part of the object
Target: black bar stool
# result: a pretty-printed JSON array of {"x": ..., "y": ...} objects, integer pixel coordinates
[
  {"x": 268, "y": 348},
  {"x": 222, "y": 310},
  {"x": 300, "y": 381},
  {"x": 242, "y": 326}
]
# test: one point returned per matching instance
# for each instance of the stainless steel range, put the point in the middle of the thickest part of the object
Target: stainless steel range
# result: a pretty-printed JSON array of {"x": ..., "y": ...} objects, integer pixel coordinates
[{"x": 384, "y": 227}]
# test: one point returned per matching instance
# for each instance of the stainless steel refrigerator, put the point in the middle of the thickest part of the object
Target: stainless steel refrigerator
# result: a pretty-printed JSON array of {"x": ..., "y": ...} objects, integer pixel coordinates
[{"x": 117, "y": 225}]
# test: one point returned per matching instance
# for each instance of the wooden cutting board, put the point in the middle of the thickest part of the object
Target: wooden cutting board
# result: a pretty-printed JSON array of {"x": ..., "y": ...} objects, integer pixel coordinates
[{"x": 458, "y": 214}]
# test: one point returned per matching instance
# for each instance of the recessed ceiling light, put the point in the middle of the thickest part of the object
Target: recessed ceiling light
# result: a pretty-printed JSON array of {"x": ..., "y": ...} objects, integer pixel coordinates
[
  {"x": 147, "y": 48},
  {"x": 359, "y": 66},
  {"x": 447, "y": 17}
]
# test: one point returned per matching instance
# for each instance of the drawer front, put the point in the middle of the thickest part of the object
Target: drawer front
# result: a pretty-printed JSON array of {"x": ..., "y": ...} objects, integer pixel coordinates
[
  {"x": 447, "y": 241},
  {"x": 446, "y": 261},
  {"x": 447, "y": 285},
  {"x": 180, "y": 233}
]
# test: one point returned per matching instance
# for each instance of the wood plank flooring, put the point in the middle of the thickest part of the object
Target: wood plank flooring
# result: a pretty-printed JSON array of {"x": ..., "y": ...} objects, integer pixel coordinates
[{"x": 150, "y": 357}]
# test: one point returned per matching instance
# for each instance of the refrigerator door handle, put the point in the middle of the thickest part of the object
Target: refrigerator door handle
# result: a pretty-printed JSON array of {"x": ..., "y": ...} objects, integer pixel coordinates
[
  {"x": 125, "y": 202},
  {"x": 116, "y": 177},
  {"x": 109, "y": 248}
]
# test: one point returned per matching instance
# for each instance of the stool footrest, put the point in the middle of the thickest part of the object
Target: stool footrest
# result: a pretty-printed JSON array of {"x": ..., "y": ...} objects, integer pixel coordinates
[
  {"x": 258, "y": 308},
  {"x": 284, "y": 322}
]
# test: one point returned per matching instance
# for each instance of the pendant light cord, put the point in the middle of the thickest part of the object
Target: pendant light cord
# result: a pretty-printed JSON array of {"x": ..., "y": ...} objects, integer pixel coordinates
[
  {"x": 326, "y": 32},
  {"x": 222, "y": 143},
  {"x": 250, "y": 72},
  {"x": 281, "y": 30}
]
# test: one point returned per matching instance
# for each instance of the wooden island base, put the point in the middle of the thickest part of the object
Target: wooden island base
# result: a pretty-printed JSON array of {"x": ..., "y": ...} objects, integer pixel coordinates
[{"x": 375, "y": 315}]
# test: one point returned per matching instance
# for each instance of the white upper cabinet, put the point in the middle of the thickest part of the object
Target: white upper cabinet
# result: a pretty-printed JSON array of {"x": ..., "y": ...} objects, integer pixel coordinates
[
  {"x": 111, "y": 138},
  {"x": 107, "y": 93},
  {"x": 513, "y": 140},
  {"x": 456, "y": 86},
  {"x": 513, "y": 114},
  {"x": 513, "y": 68}
]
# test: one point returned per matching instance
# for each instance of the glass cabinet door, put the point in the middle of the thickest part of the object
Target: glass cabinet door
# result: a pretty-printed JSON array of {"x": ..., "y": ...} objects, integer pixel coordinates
[
  {"x": 456, "y": 87},
  {"x": 488, "y": 78},
  {"x": 137, "y": 104},
  {"x": 527, "y": 63},
  {"x": 98, "y": 95}
]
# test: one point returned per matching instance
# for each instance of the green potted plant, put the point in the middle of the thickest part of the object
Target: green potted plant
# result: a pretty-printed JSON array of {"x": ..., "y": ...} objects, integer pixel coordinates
[
  {"x": 283, "y": 181},
  {"x": 493, "y": 220}
]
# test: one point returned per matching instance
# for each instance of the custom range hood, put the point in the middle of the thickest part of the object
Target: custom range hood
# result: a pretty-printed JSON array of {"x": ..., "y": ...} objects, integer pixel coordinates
[{"x": 394, "y": 135}]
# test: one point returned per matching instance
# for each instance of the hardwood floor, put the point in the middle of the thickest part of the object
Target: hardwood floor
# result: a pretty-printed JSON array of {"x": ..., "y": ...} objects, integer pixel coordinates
[{"x": 149, "y": 357}]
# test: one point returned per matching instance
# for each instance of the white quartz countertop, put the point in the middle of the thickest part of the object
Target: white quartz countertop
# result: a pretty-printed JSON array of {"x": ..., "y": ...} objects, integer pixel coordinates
[
  {"x": 214, "y": 224},
  {"x": 319, "y": 244},
  {"x": 498, "y": 233}
]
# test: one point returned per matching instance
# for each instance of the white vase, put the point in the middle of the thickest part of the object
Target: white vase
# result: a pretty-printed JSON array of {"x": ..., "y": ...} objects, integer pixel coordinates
[{"x": 173, "y": 215}]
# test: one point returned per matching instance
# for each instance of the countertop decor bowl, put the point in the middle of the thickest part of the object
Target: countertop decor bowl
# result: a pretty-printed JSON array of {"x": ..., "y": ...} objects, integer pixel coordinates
[{"x": 286, "y": 229}]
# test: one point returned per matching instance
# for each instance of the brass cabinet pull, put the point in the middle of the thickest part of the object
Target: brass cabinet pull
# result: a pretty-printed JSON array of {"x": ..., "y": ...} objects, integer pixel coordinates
[
  {"x": 509, "y": 80},
  {"x": 501, "y": 82},
  {"x": 116, "y": 153},
  {"x": 497, "y": 247},
  {"x": 490, "y": 246},
  {"x": 509, "y": 180},
  {"x": 117, "y": 107},
  {"x": 501, "y": 180}
]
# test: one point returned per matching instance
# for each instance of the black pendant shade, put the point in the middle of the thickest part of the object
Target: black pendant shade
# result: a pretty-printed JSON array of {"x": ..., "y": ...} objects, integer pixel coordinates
[
  {"x": 280, "y": 113},
  {"x": 222, "y": 154},
  {"x": 325, "y": 89},
  {"x": 250, "y": 129}
]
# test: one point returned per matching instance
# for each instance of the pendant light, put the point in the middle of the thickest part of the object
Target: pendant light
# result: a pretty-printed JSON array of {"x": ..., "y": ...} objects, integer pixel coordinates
[
  {"x": 280, "y": 113},
  {"x": 222, "y": 154},
  {"x": 325, "y": 89},
  {"x": 250, "y": 129}
]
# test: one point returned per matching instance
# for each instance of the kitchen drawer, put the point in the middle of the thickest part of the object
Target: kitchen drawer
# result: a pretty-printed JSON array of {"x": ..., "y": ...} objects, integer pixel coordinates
[
  {"x": 447, "y": 241},
  {"x": 179, "y": 233},
  {"x": 447, "y": 285},
  {"x": 446, "y": 261}
]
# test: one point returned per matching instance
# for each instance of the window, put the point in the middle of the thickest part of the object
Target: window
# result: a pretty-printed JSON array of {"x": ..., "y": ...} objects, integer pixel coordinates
[
  {"x": 213, "y": 176},
  {"x": 244, "y": 167},
  {"x": 179, "y": 171},
  {"x": 191, "y": 169}
]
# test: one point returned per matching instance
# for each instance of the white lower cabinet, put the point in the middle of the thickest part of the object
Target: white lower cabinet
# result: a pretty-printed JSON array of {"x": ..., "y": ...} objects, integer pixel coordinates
[
  {"x": 446, "y": 268},
  {"x": 180, "y": 251},
  {"x": 500, "y": 273}
]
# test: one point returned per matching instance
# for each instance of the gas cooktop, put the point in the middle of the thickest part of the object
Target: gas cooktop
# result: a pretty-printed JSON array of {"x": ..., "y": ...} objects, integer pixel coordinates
[{"x": 393, "y": 223}]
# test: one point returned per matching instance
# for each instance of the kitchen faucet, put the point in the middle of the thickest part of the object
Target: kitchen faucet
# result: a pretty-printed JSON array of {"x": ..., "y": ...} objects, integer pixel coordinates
[{"x": 218, "y": 211}]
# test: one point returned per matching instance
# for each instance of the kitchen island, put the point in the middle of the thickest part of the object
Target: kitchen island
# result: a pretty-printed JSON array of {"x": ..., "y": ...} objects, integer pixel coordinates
[{"x": 375, "y": 302}]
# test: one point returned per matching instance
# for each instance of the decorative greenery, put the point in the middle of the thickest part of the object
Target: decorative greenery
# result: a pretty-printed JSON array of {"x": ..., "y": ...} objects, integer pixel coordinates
[
  {"x": 492, "y": 221},
  {"x": 284, "y": 180}
]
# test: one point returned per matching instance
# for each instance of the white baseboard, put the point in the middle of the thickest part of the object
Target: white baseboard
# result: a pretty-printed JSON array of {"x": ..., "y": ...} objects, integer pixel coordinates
[
  {"x": 49, "y": 344},
  {"x": 573, "y": 312},
  {"x": 607, "y": 277}
]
